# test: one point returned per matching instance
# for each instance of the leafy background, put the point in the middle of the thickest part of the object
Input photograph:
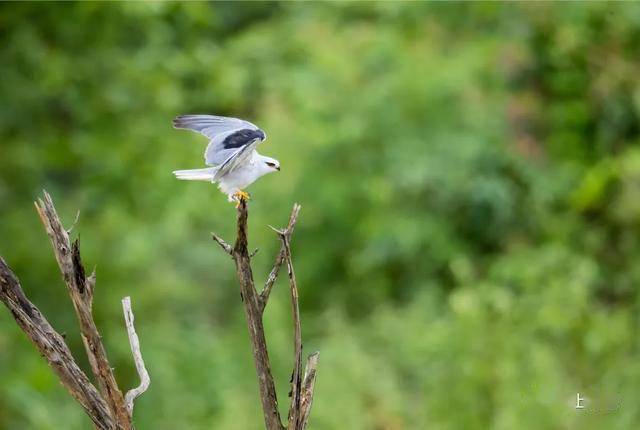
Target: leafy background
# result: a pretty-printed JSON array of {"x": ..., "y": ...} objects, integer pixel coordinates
[{"x": 467, "y": 251}]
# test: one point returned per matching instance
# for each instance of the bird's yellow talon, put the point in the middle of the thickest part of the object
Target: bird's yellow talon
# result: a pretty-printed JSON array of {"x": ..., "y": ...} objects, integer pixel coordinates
[{"x": 241, "y": 195}]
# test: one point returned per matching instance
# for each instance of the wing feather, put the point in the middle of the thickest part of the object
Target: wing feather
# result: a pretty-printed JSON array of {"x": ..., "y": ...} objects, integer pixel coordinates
[
  {"x": 226, "y": 135},
  {"x": 211, "y": 125},
  {"x": 239, "y": 157}
]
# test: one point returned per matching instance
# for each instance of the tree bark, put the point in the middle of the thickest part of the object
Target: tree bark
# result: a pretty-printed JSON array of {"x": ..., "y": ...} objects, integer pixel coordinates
[
  {"x": 80, "y": 290},
  {"x": 254, "y": 306},
  {"x": 106, "y": 407},
  {"x": 53, "y": 348},
  {"x": 253, "y": 313}
]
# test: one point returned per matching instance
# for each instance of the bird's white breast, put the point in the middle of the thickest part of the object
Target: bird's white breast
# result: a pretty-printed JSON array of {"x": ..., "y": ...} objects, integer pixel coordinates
[{"x": 240, "y": 178}]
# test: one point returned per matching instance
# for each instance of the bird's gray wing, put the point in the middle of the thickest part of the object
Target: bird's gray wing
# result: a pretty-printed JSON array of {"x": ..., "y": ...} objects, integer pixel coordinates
[
  {"x": 228, "y": 143},
  {"x": 226, "y": 134},
  {"x": 211, "y": 125},
  {"x": 238, "y": 158}
]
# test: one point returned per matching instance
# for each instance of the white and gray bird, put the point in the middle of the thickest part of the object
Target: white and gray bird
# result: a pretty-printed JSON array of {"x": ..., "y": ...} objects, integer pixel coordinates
[{"x": 231, "y": 153}]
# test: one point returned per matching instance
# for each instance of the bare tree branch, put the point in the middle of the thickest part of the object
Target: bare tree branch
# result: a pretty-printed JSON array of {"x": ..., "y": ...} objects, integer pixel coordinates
[
  {"x": 53, "y": 348},
  {"x": 253, "y": 313},
  {"x": 224, "y": 245},
  {"x": 75, "y": 222},
  {"x": 108, "y": 408},
  {"x": 68, "y": 257},
  {"x": 145, "y": 381},
  {"x": 296, "y": 380},
  {"x": 273, "y": 275},
  {"x": 254, "y": 305},
  {"x": 308, "y": 387}
]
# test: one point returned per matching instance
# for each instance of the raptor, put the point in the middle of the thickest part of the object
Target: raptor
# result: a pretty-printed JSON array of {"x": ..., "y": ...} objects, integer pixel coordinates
[{"x": 231, "y": 154}]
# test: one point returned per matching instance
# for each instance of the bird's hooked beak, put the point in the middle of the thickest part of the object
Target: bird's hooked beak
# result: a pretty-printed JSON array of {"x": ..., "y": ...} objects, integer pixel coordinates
[{"x": 278, "y": 168}]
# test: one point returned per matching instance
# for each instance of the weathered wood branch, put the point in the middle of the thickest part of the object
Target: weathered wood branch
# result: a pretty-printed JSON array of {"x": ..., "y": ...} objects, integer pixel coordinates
[
  {"x": 308, "y": 386},
  {"x": 296, "y": 379},
  {"x": 254, "y": 305},
  {"x": 224, "y": 245},
  {"x": 53, "y": 348},
  {"x": 145, "y": 381},
  {"x": 106, "y": 407},
  {"x": 81, "y": 293},
  {"x": 253, "y": 313},
  {"x": 273, "y": 275}
]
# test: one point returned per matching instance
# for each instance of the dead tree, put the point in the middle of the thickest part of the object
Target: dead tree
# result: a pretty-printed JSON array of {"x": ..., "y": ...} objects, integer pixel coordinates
[
  {"x": 107, "y": 407},
  {"x": 302, "y": 386}
]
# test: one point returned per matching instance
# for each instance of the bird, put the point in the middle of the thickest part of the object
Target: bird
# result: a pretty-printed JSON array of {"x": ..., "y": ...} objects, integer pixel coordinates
[{"x": 231, "y": 153}]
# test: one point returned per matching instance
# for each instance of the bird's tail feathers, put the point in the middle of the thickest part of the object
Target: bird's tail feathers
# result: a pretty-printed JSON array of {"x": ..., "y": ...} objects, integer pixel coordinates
[{"x": 196, "y": 174}]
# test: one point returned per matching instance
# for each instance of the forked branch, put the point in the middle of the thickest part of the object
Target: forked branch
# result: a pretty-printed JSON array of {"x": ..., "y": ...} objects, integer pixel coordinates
[
  {"x": 273, "y": 275},
  {"x": 53, "y": 348},
  {"x": 254, "y": 305},
  {"x": 81, "y": 293},
  {"x": 106, "y": 407}
]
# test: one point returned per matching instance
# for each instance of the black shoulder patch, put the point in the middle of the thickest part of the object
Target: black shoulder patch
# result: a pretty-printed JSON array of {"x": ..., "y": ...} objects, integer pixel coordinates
[{"x": 241, "y": 138}]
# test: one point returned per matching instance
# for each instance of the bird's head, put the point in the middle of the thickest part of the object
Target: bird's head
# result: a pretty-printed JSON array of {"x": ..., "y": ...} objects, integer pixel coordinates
[{"x": 270, "y": 164}]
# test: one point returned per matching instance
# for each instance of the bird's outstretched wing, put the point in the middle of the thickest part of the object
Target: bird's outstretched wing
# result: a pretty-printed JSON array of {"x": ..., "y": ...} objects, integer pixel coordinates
[
  {"x": 227, "y": 136},
  {"x": 239, "y": 157}
]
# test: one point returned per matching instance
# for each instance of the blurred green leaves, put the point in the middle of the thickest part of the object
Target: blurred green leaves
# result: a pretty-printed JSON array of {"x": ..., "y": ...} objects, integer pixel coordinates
[{"x": 469, "y": 175}]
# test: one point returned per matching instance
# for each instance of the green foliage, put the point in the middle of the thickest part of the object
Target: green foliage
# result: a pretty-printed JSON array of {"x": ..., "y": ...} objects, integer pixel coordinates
[{"x": 469, "y": 175}]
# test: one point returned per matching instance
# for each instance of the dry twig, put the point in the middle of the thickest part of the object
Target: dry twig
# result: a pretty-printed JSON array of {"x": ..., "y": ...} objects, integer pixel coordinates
[
  {"x": 136, "y": 392},
  {"x": 273, "y": 275},
  {"x": 296, "y": 380},
  {"x": 308, "y": 386}
]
